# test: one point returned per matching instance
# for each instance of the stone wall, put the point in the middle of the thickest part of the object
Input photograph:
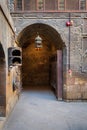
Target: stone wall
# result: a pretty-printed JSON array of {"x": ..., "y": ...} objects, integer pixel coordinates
[
  {"x": 7, "y": 95},
  {"x": 35, "y": 66},
  {"x": 76, "y": 86},
  {"x": 58, "y": 21},
  {"x": 74, "y": 39}
]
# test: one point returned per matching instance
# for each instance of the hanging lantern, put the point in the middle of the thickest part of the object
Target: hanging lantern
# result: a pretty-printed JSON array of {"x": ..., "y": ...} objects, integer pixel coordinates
[
  {"x": 38, "y": 42},
  {"x": 69, "y": 23}
]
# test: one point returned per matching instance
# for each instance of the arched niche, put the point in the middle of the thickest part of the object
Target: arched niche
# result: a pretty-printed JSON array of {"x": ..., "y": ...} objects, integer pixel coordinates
[{"x": 39, "y": 67}]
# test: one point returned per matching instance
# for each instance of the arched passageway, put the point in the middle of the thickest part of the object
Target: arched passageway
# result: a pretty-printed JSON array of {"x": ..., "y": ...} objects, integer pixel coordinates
[
  {"x": 43, "y": 67},
  {"x": 2, "y": 82}
]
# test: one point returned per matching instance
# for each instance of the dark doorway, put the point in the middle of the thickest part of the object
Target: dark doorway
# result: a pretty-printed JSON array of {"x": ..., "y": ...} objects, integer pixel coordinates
[{"x": 2, "y": 82}]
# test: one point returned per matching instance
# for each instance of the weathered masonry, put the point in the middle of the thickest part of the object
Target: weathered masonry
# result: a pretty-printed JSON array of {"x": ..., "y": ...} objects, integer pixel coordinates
[
  {"x": 48, "y": 5},
  {"x": 70, "y": 40},
  {"x": 62, "y": 62},
  {"x": 8, "y": 96}
]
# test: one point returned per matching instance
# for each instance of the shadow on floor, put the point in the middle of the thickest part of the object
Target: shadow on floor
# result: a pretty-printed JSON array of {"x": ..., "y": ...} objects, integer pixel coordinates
[{"x": 42, "y": 92}]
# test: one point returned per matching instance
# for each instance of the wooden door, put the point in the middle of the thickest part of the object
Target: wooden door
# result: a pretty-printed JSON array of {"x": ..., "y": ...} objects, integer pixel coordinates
[{"x": 59, "y": 88}]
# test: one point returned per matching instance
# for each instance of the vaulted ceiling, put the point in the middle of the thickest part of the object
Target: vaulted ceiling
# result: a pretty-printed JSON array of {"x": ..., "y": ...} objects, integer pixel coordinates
[{"x": 49, "y": 36}]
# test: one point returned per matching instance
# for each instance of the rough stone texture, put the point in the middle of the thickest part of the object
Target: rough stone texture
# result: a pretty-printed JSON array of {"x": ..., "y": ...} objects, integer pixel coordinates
[
  {"x": 59, "y": 24},
  {"x": 76, "y": 87},
  {"x": 35, "y": 66},
  {"x": 73, "y": 39},
  {"x": 2, "y": 122},
  {"x": 7, "y": 96},
  {"x": 14, "y": 88}
]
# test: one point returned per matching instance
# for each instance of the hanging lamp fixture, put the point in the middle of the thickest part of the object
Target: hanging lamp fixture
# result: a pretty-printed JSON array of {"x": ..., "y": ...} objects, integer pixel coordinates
[{"x": 38, "y": 42}]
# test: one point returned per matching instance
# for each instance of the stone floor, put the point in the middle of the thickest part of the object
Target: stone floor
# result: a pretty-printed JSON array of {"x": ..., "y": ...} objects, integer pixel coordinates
[
  {"x": 38, "y": 109},
  {"x": 2, "y": 121}
]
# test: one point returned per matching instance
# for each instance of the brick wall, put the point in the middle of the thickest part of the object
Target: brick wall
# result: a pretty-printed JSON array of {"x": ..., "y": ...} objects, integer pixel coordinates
[{"x": 35, "y": 66}]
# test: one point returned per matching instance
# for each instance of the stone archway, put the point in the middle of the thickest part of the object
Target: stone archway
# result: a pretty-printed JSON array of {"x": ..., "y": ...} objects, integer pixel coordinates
[
  {"x": 2, "y": 82},
  {"x": 40, "y": 67}
]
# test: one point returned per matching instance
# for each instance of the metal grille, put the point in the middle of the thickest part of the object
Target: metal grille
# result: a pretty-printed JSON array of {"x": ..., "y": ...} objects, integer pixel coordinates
[
  {"x": 19, "y": 5},
  {"x": 61, "y": 4},
  {"x": 72, "y": 4},
  {"x": 50, "y": 5},
  {"x": 40, "y": 5},
  {"x": 26, "y": 5},
  {"x": 82, "y": 4}
]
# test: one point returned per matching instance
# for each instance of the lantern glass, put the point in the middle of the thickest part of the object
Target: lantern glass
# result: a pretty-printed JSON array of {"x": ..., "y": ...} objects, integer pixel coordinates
[{"x": 38, "y": 42}]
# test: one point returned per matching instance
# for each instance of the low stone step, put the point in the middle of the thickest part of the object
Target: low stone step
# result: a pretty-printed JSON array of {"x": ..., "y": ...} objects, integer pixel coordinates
[{"x": 2, "y": 121}]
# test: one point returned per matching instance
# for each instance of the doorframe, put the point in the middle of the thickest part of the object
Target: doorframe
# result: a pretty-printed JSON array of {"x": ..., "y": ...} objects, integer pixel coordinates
[{"x": 59, "y": 87}]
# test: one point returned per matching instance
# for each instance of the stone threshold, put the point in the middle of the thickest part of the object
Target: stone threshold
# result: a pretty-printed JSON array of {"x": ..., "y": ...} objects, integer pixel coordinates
[{"x": 2, "y": 121}]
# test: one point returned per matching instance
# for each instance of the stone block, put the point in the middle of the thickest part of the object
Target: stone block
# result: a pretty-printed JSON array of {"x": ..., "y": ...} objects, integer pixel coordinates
[
  {"x": 70, "y": 96},
  {"x": 2, "y": 121},
  {"x": 73, "y": 96},
  {"x": 83, "y": 88},
  {"x": 78, "y": 96},
  {"x": 84, "y": 95}
]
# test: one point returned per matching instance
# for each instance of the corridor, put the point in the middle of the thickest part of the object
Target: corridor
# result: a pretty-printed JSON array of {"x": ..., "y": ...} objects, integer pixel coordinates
[{"x": 38, "y": 109}]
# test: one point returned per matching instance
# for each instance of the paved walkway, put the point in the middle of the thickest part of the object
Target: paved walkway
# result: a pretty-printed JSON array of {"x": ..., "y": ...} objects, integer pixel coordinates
[{"x": 39, "y": 110}]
